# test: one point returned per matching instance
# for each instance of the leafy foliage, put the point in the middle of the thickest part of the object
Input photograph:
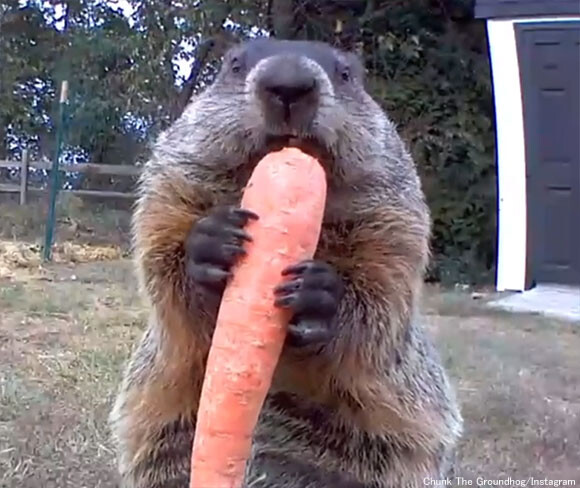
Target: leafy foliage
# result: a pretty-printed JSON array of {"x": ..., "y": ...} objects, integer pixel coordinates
[
  {"x": 131, "y": 72},
  {"x": 433, "y": 79}
]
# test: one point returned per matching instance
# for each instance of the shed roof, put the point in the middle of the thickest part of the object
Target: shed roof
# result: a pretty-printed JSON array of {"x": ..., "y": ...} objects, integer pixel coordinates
[{"x": 488, "y": 9}]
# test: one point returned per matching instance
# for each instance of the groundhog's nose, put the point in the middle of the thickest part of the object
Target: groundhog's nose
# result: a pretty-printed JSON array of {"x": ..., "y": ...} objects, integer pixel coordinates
[{"x": 289, "y": 92}]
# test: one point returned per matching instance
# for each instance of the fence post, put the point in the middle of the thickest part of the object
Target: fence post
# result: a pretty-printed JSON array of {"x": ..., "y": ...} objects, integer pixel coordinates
[
  {"x": 55, "y": 176},
  {"x": 24, "y": 176}
]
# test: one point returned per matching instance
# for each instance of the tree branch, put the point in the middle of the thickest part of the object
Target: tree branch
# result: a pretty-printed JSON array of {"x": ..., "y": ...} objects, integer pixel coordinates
[
  {"x": 282, "y": 18},
  {"x": 201, "y": 55},
  {"x": 269, "y": 22},
  {"x": 443, "y": 8}
]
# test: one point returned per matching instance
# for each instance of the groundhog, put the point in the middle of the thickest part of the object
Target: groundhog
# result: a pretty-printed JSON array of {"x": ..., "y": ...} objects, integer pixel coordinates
[{"x": 360, "y": 398}]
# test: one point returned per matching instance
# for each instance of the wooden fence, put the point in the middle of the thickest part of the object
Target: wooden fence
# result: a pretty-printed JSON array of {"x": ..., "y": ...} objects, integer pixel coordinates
[{"x": 88, "y": 168}]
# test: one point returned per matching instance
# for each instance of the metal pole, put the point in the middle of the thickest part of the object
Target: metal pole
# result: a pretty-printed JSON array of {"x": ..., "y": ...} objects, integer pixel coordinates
[
  {"x": 24, "y": 176},
  {"x": 54, "y": 176}
]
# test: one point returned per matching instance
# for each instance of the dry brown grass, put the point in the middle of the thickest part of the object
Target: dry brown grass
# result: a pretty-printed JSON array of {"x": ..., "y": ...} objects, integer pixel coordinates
[
  {"x": 518, "y": 380},
  {"x": 66, "y": 329},
  {"x": 63, "y": 338}
]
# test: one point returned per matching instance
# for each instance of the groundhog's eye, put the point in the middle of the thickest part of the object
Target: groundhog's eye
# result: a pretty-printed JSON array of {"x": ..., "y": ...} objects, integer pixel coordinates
[
  {"x": 236, "y": 65},
  {"x": 345, "y": 73}
]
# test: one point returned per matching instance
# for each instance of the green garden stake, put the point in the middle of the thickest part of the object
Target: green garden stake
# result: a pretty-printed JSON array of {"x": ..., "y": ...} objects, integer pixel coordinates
[{"x": 55, "y": 180}]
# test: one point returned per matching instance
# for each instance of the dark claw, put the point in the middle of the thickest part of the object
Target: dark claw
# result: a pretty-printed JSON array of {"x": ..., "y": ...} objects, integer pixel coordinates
[
  {"x": 207, "y": 275},
  {"x": 231, "y": 251},
  {"x": 313, "y": 303},
  {"x": 286, "y": 301},
  {"x": 289, "y": 286},
  {"x": 308, "y": 333},
  {"x": 208, "y": 227},
  {"x": 248, "y": 214},
  {"x": 205, "y": 249},
  {"x": 240, "y": 234},
  {"x": 236, "y": 216},
  {"x": 308, "y": 265},
  {"x": 327, "y": 281}
]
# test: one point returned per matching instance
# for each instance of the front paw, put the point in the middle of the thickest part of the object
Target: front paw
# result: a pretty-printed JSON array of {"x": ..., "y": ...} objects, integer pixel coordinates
[
  {"x": 312, "y": 294},
  {"x": 214, "y": 244}
]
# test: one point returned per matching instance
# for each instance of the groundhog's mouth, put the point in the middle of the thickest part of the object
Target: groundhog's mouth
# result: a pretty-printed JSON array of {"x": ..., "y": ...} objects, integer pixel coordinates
[{"x": 309, "y": 145}]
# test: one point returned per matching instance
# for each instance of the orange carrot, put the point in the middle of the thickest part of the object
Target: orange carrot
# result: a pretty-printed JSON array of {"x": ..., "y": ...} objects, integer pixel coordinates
[{"x": 287, "y": 190}]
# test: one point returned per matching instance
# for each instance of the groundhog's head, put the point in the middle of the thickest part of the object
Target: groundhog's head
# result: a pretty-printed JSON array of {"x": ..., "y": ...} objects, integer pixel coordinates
[{"x": 271, "y": 93}]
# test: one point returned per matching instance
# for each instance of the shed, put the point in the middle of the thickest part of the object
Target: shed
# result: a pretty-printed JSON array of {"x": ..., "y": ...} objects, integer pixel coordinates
[{"x": 534, "y": 48}]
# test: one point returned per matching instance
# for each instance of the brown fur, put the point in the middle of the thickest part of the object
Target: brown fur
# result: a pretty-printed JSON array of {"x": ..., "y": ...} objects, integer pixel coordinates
[{"x": 374, "y": 407}]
